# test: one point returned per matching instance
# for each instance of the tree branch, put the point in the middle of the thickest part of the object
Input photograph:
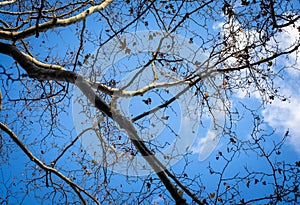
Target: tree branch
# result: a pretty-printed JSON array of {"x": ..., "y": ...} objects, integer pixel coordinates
[
  {"x": 38, "y": 19},
  {"x": 71, "y": 77},
  {"x": 7, "y": 35},
  {"x": 29, "y": 154},
  {"x": 7, "y": 2}
]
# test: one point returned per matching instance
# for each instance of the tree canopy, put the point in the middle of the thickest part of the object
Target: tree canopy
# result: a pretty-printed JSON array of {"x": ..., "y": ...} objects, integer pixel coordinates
[{"x": 149, "y": 102}]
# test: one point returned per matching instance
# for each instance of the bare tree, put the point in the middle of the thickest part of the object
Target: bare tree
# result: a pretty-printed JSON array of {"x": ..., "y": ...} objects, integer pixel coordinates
[{"x": 130, "y": 73}]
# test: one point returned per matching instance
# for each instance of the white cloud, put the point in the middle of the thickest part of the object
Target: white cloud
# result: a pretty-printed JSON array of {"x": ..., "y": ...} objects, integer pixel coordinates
[
  {"x": 206, "y": 145},
  {"x": 157, "y": 200},
  {"x": 281, "y": 115},
  {"x": 288, "y": 38},
  {"x": 286, "y": 116}
]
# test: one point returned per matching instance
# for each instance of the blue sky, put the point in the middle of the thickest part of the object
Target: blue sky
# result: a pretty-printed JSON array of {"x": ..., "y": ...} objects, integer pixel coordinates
[
  {"x": 272, "y": 120},
  {"x": 280, "y": 116}
]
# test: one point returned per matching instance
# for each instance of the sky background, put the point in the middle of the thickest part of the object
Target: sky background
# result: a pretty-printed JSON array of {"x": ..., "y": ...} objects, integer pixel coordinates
[{"x": 279, "y": 116}]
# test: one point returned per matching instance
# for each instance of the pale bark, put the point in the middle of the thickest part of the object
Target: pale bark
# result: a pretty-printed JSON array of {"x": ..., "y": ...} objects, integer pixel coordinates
[
  {"x": 54, "y": 23},
  {"x": 39, "y": 73},
  {"x": 3, "y": 3}
]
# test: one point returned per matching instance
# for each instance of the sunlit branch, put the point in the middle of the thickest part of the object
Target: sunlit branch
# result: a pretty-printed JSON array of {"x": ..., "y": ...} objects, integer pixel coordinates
[
  {"x": 55, "y": 22},
  {"x": 71, "y": 77},
  {"x": 124, "y": 93},
  {"x": 41, "y": 64},
  {"x": 201, "y": 75},
  {"x": 126, "y": 124},
  {"x": 30, "y": 12},
  {"x": 107, "y": 89},
  {"x": 7, "y": 2}
]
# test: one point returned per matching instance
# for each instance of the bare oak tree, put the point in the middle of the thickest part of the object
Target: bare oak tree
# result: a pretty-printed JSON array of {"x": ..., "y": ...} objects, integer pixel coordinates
[{"x": 124, "y": 69}]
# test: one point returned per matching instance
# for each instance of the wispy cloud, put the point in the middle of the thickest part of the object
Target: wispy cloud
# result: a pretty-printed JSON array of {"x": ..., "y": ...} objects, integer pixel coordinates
[
  {"x": 280, "y": 115},
  {"x": 206, "y": 145},
  {"x": 286, "y": 116}
]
